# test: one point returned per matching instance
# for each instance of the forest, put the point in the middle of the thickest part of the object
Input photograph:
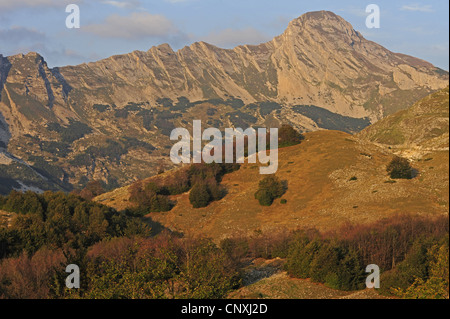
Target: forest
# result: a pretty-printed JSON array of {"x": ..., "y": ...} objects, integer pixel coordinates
[{"x": 120, "y": 257}]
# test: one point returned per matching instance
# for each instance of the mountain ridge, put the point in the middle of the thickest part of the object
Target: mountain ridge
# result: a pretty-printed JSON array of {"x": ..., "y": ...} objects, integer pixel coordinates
[
  {"x": 267, "y": 67},
  {"x": 110, "y": 120}
]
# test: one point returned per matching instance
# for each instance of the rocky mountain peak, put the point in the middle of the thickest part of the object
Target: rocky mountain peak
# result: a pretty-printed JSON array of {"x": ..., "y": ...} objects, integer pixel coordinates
[
  {"x": 164, "y": 48},
  {"x": 318, "y": 17},
  {"x": 323, "y": 26}
]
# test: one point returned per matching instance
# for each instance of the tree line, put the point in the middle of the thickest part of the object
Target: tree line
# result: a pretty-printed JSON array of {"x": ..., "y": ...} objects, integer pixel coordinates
[{"x": 411, "y": 251}]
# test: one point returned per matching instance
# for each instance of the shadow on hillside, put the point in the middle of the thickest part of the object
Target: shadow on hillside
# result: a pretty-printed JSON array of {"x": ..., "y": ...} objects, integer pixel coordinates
[
  {"x": 285, "y": 185},
  {"x": 157, "y": 227}
]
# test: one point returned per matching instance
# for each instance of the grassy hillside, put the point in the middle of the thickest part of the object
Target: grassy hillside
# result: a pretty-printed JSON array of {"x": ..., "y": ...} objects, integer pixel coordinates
[{"x": 333, "y": 178}]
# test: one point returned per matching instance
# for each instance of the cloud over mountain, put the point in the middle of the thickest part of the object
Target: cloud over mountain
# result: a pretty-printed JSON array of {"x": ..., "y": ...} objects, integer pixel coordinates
[{"x": 133, "y": 26}]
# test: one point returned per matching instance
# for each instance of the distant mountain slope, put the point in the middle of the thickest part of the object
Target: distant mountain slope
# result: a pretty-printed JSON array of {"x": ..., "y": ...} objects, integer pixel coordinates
[{"x": 425, "y": 125}]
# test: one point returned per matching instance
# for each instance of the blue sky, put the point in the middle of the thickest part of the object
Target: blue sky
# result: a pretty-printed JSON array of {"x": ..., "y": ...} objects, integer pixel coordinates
[{"x": 108, "y": 27}]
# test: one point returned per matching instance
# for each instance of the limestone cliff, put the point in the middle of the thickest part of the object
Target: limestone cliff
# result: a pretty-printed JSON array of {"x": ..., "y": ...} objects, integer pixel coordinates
[{"x": 319, "y": 60}]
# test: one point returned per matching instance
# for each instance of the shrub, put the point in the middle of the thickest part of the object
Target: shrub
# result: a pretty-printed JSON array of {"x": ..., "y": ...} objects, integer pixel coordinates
[
  {"x": 199, "y": 195},
  {"x": 178, "y": 184},
  {"x": 149, "y": 198},
  {"x": 211, "y": 112},
  {"x": 75, "y": 131},
  {"x": 331, "y": 263},
  {"x": 112, "y": 150},
  {"x": 400, "y": 168},
  {"x": 121, "y": 113},
  {"x": 92, "y": 189},
  {"x": 206, "y": 272},
  {"x": 270, "y": 188},
  {"x": 288, "y": 136},
  {"x": 415, "y": 265},
  {"x": 326, "y": 261},
  {"x": 300, "y": 256},
  {"x": 58, "y": 220},
  {"x": 264, "y": 197},
  {"x": 101, "y": 107}
]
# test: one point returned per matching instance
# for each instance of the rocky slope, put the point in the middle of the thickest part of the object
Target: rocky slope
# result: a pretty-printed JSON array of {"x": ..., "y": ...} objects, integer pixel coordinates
[
  {"x": 427, "y": 119},
  {"x": 416, "y": 131},
  {"x": 110, "y": 120}
]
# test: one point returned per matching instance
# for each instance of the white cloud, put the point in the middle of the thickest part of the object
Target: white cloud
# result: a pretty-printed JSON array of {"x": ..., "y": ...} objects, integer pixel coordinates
[
  {"x": 234, "y": 37},
  {"x": 17, "y": 34},
  {"x": 122, "y": 4},
  {"x": 17, "y": 39},
  {"x": 14, "y": 4},
  {"x": 134, "y": 26},
  {"x": 417, "y": 8},
  {"x": 356, "y": 11}
]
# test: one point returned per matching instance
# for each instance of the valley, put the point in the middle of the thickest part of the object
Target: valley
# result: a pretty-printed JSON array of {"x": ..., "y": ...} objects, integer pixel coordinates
[{"x": 88, "y": 176}]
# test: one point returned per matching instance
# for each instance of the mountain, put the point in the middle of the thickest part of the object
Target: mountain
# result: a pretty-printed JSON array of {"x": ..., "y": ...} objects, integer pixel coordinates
[
  {"x": 110, "y": 120},
  {"x": 332, "y": 178},
  {"x": 319, "y": 60}
]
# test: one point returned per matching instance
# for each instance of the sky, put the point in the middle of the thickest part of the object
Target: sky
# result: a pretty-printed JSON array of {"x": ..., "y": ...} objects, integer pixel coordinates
[{"x": 109, "y": 27}]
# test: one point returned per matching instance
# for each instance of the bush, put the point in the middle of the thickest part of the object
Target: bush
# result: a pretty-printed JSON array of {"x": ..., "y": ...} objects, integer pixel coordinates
[
  {"x": 207, "y": 272},
  {"x": 270, "y": 188},
  {"x": 121, "y": 113},
  {"x": 400, "y": 168},
  {"x": 112, "y": 150},
  {"x": 331, "y": 263},
  {"x": 300, "y": 256},
  {"x": 264, "y": 197},
  {"x": 199, "y": 195},
  {"x": 75, "y": 131},
  {"x": 435, "y": 284},
  {"x": 325, "y": 261},
  {"x": 91, "y": 190},
  {"x": 101, "y": 107},
  {"x": 175, "y": 184},
  {"x": 149, "y": 198},
  {"x": 415, "y": 265},
  {"x": 203, "y": 178},
  {"x": 288, "y": 136}
]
